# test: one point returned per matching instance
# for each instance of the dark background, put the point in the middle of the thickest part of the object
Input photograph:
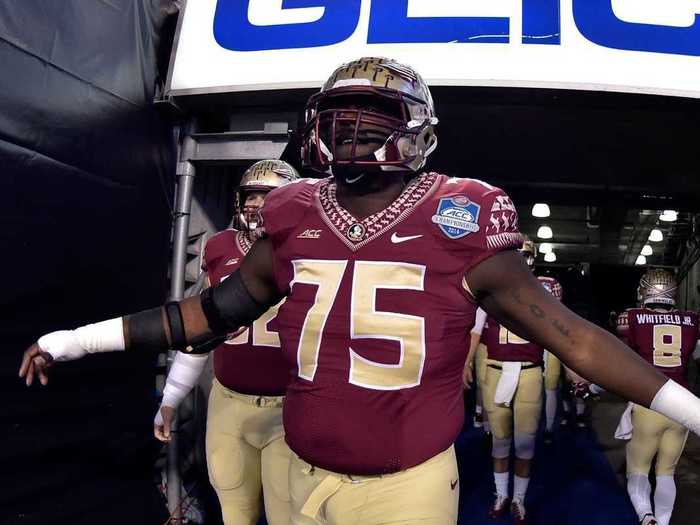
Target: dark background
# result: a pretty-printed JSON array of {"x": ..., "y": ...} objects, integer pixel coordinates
[{"x": 86, "y": 176}]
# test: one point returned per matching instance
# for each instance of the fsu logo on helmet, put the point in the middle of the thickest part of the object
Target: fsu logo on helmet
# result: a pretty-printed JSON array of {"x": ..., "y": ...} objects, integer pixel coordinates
[{"x": 658, "y": 286}]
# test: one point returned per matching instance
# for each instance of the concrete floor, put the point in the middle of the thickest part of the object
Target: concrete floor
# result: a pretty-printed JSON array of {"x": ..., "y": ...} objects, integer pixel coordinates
[{"x": 605, "y": 415}]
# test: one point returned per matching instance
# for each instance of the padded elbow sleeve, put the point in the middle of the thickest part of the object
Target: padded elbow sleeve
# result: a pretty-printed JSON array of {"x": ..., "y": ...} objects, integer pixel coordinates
[
  {"x": 229, "y": 306},
  {"x": 146, "y": 330}
]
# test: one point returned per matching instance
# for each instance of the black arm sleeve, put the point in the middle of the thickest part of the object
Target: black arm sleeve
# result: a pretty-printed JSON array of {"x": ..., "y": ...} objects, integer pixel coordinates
[
  {"x": 229, "y": 306},
  {"x": 146, "y": 330}
]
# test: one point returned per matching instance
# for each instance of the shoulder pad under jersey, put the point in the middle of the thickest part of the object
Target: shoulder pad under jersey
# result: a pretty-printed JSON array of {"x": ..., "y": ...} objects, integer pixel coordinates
[
  {"x": 285, "y": 206},
  {"x": 217, "y": 245},
  {"x": 480, "y": 216}
]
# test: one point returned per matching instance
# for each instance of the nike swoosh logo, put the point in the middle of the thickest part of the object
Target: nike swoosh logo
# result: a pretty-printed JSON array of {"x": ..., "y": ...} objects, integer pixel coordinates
[
  {"x": 453, "y": 484},
  {"x": 396, "y": 239}
]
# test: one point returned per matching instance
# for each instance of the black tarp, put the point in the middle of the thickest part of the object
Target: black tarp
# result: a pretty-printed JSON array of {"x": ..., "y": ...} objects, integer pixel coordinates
[{"x": 86, "y": 177}]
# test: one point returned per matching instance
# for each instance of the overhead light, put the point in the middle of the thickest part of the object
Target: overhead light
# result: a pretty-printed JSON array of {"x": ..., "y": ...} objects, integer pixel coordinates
[
  {"x": 550, "y": 257},
  {"x": 641, "y": 261},
  {"x": 540, "y": 210},
  {"x": 546, "y": 247},
  {"x": 669, "y": 216},
  {"x": 656, "y": 235},
  {"x": 545, "y": 232},
  {"x": 647, "y": 251}
]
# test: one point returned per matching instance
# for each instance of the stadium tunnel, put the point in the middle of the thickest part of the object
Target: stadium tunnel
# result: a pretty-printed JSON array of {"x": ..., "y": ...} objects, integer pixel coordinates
[
  {"x": 599, "y": 160},
  {"x": 607, "y": 164}
]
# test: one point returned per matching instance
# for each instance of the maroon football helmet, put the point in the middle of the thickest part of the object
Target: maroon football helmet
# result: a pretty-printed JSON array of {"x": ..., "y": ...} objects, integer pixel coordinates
[{"x": 371, "y": 101}]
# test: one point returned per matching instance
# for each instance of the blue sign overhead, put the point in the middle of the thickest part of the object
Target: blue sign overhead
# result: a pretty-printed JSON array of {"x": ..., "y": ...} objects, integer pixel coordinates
[{"x": 389, "y": 23}]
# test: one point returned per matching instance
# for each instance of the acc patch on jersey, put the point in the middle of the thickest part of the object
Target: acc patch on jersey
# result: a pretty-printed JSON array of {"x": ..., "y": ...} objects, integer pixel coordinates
[{"x": 457, "y": 216}]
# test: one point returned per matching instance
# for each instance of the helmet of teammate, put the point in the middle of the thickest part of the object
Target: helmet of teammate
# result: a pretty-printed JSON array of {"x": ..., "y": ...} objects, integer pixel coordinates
[
  {"x": 371, "y": 101},
  {"x": 552, "y": 286},
  {"x": 263, "y": 176},
  {"x": 658, "y": 286},
  {"x": 529, "y": 251}
]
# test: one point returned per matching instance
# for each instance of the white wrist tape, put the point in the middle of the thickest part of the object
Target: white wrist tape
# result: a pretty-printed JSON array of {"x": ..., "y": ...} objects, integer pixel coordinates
[
  {"x": 679, "y": 404},
  {"x": 184, "y": 374},
  {"x": 67, "y": 345}
]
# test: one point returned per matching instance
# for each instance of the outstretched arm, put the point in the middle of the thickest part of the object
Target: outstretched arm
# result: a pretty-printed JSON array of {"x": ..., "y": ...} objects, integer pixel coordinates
[
  {"x": 505, "y": 287},
  {"x": 186, "y": 325}
]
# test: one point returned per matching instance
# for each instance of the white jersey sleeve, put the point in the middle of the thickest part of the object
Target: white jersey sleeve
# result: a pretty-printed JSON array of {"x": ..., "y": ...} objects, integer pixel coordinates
[{"x": 479, "y": 322}]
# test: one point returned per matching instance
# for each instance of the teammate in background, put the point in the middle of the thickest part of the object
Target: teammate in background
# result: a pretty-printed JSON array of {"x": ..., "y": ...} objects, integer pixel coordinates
[
  {"x": 477, "y": 356},
  {"x": 247, "y": 456},
  {"x": 552, "y": 365},
  {"x": 667, "y": 338},
  {"x": 513, "y": 401},
  {"x": 622, "y": 326},
  {"x": 383, "y": 266}
]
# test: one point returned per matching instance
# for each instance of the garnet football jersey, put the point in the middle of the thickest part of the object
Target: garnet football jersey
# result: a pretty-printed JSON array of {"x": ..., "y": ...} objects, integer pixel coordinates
[
  {"x": 622, "y": 326},
  {"x": 504, "y": 345},
  {"x": 666, "y": 339},
  {"x": 250, "y": 362},
  {"x": 377, "y": 317}
]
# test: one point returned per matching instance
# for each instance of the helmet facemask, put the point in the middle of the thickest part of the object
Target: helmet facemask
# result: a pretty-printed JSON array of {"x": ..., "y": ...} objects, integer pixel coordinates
[
  {"x": 529, "y": 252},
  {"x": 262, "y": 177},
  {"x": 249, "y": 215}
]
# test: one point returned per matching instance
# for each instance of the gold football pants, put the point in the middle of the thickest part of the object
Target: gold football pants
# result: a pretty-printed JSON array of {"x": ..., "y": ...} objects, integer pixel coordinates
[
  {"x": 482, "y": 355},
  {"x": 426, "y": 494},
  {"x": 523, "y": 413},
  {"x": 654, "y": 434},
  {"x": 552, "y": 371},
  {"x": 247, "y": 456}
]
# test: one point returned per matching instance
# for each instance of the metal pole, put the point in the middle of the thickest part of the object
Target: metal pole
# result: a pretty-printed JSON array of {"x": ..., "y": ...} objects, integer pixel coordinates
[{"x": 185, "y": 183}]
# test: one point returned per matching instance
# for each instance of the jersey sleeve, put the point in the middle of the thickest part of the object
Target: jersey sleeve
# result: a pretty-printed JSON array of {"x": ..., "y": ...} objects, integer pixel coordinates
[
  {"x": 496, "y": 224},
  {"x": 622, "y": 326},
  {"x": 631, "y": 330},
  {"x": 284, "y": 208},
  {"x": 479, "y": 322},
  {"x": 206, "y": 253},
  {"x": 211, "y": 250}
]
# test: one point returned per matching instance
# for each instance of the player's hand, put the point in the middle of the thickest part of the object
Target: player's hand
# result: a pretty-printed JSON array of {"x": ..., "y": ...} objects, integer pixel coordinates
[
  {"x": 35, "y": 362},
  {"x": 581, "y": 389},
  {"x": 468, "y": 375},
  {"x": 163, "y": 423}
]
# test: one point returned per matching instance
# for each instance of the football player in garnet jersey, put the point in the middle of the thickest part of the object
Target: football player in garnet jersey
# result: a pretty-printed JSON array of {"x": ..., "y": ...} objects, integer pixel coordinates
[
  {"x": 478, "y": 352},
  {"x": 246, "y": 452},
  {"x": 380, "y": 299},
  {"x": 666, "y": 338},
  {"x": 476, "y": 362},
  {"x": 513, "y": 401}
]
